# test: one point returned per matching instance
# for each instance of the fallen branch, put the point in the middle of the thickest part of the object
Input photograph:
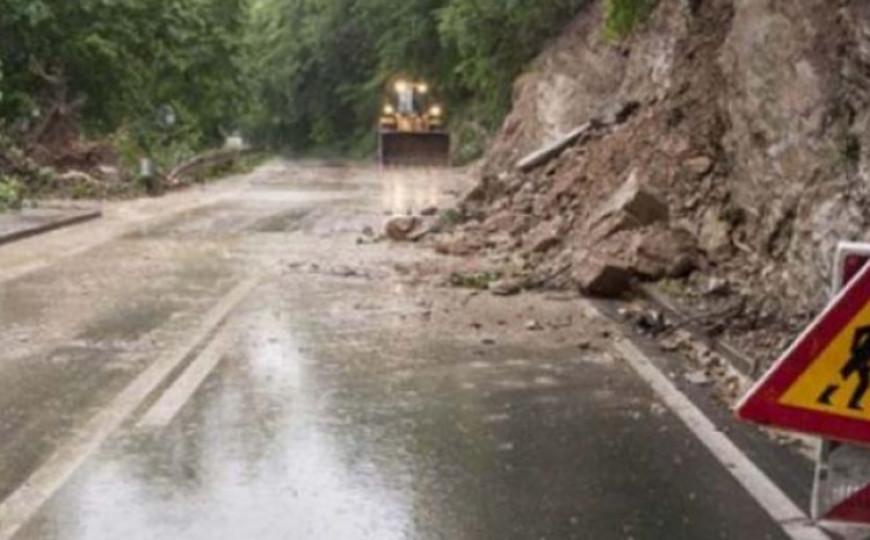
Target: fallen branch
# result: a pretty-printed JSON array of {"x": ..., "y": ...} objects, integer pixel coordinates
[
  {"x": 77, "y": 176},
  {"x": 209, "y": 159}
]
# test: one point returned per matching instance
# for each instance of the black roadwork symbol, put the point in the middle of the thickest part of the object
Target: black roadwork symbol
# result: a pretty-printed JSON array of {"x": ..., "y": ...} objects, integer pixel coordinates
[{"x": 858, "y": 364}]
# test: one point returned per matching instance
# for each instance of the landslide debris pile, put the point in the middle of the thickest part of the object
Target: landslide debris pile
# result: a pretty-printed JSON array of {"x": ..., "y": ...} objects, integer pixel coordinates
[
  {"x": 722, "y": 147},
  {"x": 54, "y": 159}
]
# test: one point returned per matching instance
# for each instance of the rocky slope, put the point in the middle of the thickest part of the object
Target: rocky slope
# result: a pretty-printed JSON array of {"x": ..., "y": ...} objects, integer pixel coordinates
[{"x": 726, "y": 149}]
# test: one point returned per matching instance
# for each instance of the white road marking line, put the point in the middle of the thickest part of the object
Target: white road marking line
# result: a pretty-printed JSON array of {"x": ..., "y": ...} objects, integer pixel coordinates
[
  {"x": 171, "y": 402},
  {"x": 23, "y": 504},
  {"x": 794, "y": 522}
]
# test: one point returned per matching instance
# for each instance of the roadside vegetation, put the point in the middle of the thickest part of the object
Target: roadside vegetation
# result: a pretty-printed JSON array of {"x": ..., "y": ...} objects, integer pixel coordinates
[{"x": 93, "y": 86}]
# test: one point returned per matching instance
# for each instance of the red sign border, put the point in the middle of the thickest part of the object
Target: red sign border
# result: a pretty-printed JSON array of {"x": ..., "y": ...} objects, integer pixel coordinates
[
  {"x": 852, "y": 509},
  {"x": 761, "y": 404}
]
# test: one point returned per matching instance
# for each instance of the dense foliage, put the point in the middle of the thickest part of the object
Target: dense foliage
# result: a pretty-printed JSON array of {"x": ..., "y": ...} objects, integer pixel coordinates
[
  {"x": 118, "y": 62},
  {"x": 319, "y": 66},
  {"x": 304, "y": 74}
]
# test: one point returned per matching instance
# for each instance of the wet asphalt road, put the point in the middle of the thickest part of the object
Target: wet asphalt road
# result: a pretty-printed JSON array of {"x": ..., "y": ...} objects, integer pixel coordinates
[{"x": 351, "y": 398}]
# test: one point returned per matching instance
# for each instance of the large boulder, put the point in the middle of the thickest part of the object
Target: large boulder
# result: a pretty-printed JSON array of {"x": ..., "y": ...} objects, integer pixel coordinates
[
  {"x": 598, "y": 275},
  {"x": 632, "y": 206}
]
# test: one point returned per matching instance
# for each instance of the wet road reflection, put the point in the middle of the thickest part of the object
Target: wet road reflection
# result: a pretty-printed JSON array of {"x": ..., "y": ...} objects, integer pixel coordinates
[
  {"x": 350, "y": 407},
  {"x": 311, "y": 430}
]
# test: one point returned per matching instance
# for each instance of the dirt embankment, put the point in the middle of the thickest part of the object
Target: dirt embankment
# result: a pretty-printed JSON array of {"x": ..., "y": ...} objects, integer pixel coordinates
[{"x": 725, "y": 151}]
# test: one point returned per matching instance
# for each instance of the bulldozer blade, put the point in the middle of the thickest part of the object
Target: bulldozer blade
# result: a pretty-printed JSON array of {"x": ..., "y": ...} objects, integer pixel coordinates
[{"x": 402, "y": 149}]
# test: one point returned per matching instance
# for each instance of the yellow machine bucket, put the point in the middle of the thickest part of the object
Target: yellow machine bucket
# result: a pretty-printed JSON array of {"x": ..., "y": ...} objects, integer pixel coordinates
[{"x": 414, "y": 149}]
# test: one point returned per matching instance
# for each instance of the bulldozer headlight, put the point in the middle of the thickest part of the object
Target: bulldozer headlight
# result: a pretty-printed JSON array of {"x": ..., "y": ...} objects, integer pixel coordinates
[
  {"x": 401, "y": 87},
  {"x": 436, "y": 111},
  {"x": 423, "y": 88},
  {"x": 389, "y": 110}
]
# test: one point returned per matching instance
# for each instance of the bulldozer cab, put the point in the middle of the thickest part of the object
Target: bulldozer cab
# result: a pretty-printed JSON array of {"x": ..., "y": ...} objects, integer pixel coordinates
[{"x": 411, "y": 128}]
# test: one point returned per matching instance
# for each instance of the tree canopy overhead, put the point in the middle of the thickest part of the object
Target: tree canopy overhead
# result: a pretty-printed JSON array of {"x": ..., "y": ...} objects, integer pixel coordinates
[
  {"x": 297, "y": 73},
  {"x": 320, "y": 66}
]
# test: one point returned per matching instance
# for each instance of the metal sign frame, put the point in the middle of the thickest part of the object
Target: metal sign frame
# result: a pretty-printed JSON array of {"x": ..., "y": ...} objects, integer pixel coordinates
[{"x": 841, "y": 486}]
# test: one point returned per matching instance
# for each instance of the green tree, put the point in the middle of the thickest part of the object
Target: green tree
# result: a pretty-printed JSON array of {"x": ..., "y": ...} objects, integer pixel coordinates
[{"x": 119, "y": 60}]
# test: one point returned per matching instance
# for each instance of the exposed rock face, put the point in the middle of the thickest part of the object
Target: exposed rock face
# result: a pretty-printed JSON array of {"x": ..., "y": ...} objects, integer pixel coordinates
[
  {"x": 752, "y": 126},
  {"x": 797, "y": 102}
]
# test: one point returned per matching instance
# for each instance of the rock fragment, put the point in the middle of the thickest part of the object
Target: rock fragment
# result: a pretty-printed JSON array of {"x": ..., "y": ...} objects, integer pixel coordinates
[
  {"x": 698, "y": 378},
  {"x": 459, "y": 244},
  {"x": 400, "y": 229},
  {"x": 507, "y": 287},
  {"x": 699, "y": 165},
  {"x": 533, "y": 326},
  {"x": 633, "y": 205},
  {"x": 715, "y": 235},
  {"x": 598, "y": 277},
  {"x": 662, "y": 253}
]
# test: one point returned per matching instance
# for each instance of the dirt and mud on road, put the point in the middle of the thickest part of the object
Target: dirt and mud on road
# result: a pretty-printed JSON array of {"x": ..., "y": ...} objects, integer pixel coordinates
[{"x": 255, "y": 359}]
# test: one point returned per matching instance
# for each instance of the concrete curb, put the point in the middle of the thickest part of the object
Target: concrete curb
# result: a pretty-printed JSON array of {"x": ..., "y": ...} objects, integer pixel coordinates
[{"x": 54, "y": 225}]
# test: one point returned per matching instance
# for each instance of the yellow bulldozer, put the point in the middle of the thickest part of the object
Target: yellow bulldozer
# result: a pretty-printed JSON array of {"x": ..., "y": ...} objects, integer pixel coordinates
[{"x": 411, "y": 131}]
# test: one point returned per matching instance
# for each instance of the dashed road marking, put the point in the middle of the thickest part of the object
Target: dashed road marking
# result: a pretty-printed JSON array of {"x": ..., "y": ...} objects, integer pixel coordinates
[
  {"x": 171, "y": 402},
  {"x": 23, "y": 504}
]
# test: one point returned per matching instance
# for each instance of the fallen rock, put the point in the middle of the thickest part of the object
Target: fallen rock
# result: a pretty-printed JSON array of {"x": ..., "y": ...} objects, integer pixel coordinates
[
  {"x": 715, "y": 235},
  {"x": 399, "y": 229},
  {"x": 662, "y": 253},
  {"x": 598, "y": 277},
  {"x": 634, "y": 204},
  {"x": 717, "y": 287},
  {"x": 500, "y": 221},
  {"x": 543, "y": 238},
  {"x": 533, "y": 326},
  {"x": 507, "y": 287},
  {"x": 699, "y": 166},
  {"x": 425, "y": 228},
  {"x": 698, "y": 378},
  {"x": 459, "y": 244},
  {"x": 430, "y": 211}
]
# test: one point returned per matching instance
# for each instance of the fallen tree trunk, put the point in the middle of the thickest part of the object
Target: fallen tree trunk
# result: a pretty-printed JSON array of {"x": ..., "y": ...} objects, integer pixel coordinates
[
  {"x": 212, "y": 158},
  {"x": 554, "y": 149},
  {"x": 592, "y": 128}
]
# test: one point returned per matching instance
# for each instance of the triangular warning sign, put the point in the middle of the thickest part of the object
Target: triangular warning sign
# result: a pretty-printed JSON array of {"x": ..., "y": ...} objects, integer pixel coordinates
[{"x": 821, "y": 385}]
